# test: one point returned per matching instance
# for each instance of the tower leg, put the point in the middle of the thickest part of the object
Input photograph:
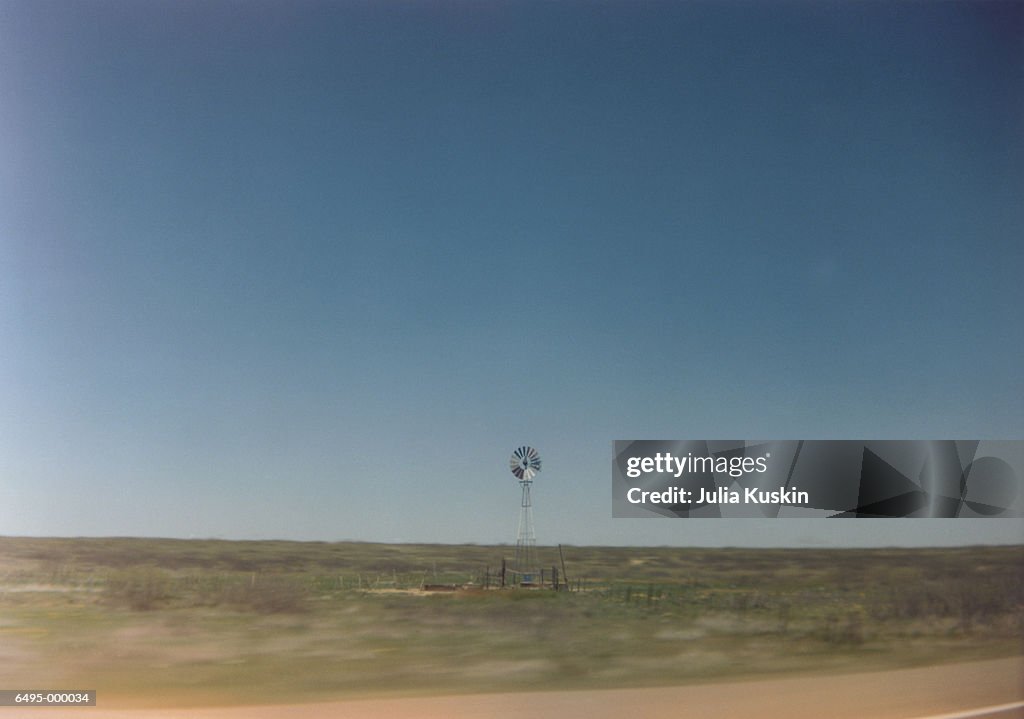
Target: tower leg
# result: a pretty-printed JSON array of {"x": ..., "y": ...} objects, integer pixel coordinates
[{"x": 526, "y": 540}]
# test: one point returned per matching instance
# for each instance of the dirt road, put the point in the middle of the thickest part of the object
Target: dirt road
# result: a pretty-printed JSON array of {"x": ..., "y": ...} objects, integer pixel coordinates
[{"x": 946, "y": 691}]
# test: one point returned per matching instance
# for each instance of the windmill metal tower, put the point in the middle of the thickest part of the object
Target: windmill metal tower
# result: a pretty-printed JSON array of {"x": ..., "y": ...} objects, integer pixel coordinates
[{"x": 525, "y": 464}]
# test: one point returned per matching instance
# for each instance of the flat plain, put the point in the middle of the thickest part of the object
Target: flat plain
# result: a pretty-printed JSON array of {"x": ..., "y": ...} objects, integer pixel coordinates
[{"x": 159, "y": 622}]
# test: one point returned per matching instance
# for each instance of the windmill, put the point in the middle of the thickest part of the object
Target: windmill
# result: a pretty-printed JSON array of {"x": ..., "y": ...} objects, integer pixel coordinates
[{"x": 525, "y": 464}]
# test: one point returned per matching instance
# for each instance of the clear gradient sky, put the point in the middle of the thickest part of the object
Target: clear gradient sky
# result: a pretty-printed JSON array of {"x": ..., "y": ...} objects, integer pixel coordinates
[{"x": 312, "y": 270}]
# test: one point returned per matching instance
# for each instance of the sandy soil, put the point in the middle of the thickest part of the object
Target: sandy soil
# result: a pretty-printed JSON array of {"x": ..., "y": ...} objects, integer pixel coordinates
[{"x": 902, "y": 694}]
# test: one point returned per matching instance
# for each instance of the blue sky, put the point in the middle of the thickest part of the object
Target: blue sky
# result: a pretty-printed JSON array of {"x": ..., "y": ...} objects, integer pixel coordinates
[{"x": 312, "y": 270}]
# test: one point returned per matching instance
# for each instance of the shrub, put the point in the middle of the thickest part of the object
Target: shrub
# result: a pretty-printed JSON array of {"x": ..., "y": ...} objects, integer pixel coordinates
[
  {"x": 269, "y": 594},
  {"x": 139, "y": 589}
]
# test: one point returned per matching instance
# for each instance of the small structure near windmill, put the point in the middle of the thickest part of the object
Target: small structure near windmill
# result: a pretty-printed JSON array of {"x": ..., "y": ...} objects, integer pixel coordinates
[{"x": 525, "y": 465}]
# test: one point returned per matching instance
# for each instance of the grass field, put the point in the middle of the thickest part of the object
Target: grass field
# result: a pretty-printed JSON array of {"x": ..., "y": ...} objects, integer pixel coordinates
[{"x": 202, "y": 621}]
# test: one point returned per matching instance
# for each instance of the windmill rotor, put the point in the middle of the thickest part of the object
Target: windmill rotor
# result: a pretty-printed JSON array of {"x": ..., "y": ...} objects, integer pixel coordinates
[{"x": 525, "y": 463}]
